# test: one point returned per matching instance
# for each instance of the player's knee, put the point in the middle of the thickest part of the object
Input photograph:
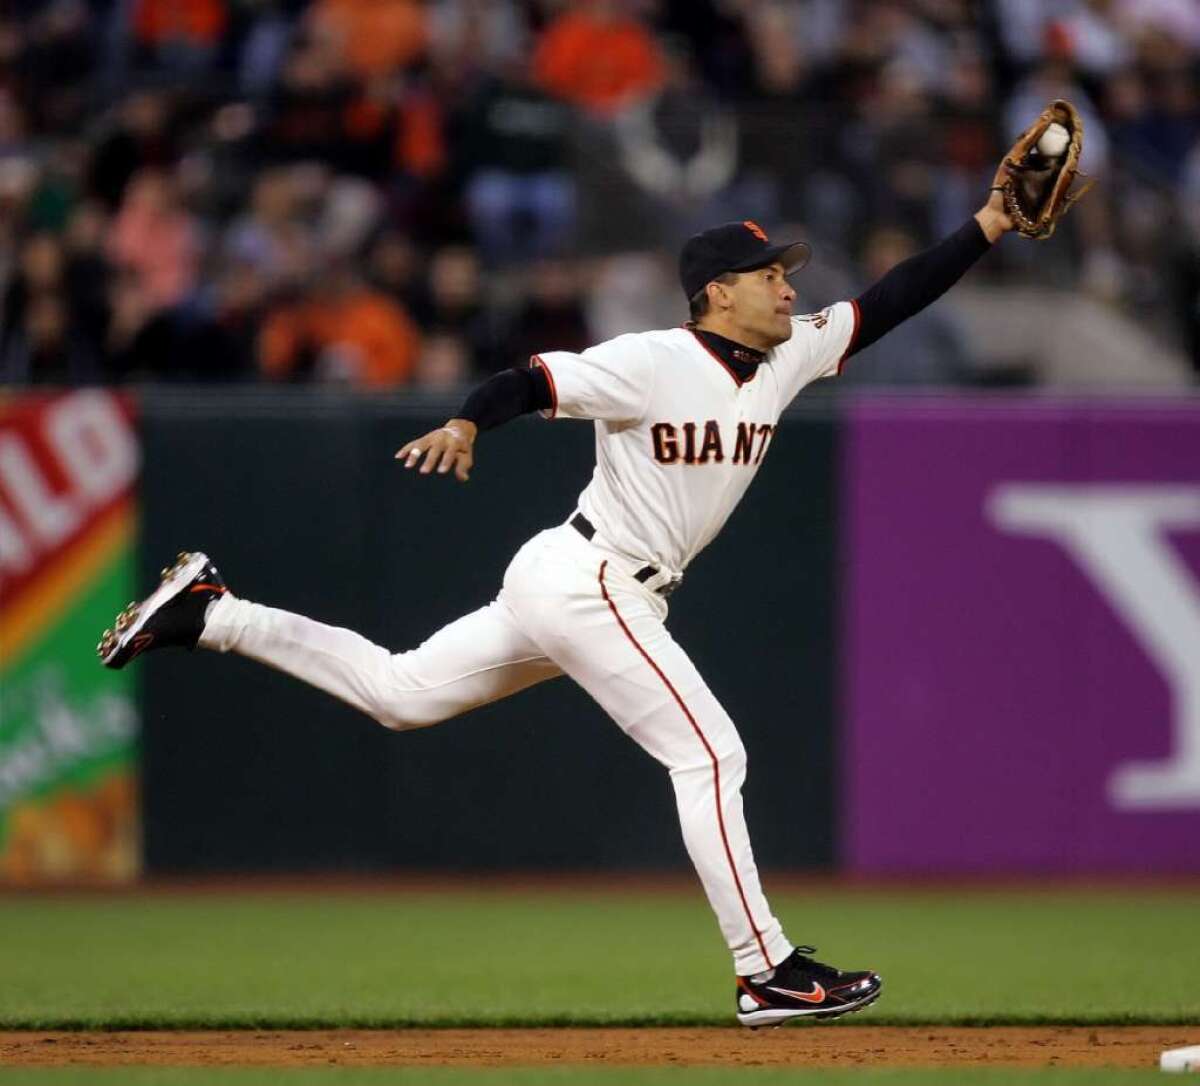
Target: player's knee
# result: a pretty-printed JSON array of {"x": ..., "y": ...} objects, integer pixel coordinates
[
  {"x": 409, "y": 714},
  {"x": 400, "y": 710},
  {"x": 394, "y": 722},
  {"x": 401, "y": 700},
  {"x": 732, "y": 760},
  {"x": 728, "y": 759}
]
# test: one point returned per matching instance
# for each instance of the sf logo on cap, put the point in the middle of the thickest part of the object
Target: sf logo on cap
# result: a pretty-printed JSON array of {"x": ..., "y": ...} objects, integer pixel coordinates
[{"x": 755, "y": 229}]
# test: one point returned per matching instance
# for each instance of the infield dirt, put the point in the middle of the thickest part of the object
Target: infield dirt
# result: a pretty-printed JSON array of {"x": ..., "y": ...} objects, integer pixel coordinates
[{"x": 841, "y": 1046}]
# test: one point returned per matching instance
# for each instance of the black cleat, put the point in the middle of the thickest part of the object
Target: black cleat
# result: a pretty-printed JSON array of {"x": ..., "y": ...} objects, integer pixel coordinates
[
  {"x": 173, "y": 614},
  {"x": 803, "y": 988}
]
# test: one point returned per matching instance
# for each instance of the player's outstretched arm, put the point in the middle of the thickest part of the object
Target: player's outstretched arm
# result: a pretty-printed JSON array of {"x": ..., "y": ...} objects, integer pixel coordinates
[
  {"x": 1030, "y": 193},
  {"x": 500, "y": 398},
  {"x": 449, "y": 446},
  {"x": 920, "y": 280}
]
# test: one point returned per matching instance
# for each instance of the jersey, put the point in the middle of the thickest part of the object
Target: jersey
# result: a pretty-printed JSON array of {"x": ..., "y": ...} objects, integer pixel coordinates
[{"x": 679, "y": 436}]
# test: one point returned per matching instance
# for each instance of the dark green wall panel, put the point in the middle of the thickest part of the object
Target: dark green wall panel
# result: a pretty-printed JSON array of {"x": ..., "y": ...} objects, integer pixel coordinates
[{"x": 298, "y": 500}]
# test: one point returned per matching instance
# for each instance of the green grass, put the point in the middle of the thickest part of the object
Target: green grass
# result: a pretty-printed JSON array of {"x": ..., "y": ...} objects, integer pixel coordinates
[
  {"x": 575, "y": 1076},
  {"x": 423, "y": 958}
]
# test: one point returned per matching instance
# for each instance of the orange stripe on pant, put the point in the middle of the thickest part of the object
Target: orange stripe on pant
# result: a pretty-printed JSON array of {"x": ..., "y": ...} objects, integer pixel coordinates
[{"x": 708, "y": 749}]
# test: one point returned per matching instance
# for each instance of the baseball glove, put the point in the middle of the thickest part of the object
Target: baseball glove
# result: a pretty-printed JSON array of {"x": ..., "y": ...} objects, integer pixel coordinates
[{"x": 1036, "y": 185}]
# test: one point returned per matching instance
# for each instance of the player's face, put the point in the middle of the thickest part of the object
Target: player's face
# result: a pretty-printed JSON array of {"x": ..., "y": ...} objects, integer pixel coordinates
[{"x": 761, "y": 307}]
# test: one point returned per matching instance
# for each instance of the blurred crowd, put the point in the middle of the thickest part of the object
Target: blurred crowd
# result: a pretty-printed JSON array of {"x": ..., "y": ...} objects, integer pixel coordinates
[{"x": 418, "y": 192}]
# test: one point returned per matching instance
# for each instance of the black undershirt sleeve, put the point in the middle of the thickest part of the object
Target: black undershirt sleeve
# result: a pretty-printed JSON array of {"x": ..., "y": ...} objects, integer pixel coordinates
[
  {"x": 505, "y": 396},
  {"x": 913, "y": 283}
]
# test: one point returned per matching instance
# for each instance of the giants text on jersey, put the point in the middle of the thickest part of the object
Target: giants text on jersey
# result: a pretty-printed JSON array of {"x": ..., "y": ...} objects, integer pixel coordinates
[{"x": 679, "y": 436}]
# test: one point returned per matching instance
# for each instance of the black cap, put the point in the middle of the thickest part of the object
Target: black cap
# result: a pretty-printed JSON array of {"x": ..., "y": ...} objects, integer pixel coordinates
[{"x": 734, "y": 247}]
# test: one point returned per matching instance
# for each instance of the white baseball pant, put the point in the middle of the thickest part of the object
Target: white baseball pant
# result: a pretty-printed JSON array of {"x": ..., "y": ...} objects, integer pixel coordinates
[{"x": 567, "y": 606}]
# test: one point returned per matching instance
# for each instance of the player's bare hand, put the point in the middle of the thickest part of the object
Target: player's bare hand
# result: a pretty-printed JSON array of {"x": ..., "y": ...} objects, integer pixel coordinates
[
  {"x": 450, "y": 446},
  {"x": 993, "y": 217}
]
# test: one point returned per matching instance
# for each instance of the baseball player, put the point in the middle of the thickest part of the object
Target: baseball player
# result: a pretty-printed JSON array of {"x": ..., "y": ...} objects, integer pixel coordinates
[{"x": 683, "y": 420}]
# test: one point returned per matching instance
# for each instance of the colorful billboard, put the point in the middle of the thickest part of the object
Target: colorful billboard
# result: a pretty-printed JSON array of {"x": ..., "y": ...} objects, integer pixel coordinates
[
  {"x": 1021, "y": 685},
  {"x": 68, "y": 727}
]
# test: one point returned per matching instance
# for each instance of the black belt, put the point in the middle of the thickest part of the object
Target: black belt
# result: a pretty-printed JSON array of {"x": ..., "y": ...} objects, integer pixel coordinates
[{"x": 587, "y": 529}]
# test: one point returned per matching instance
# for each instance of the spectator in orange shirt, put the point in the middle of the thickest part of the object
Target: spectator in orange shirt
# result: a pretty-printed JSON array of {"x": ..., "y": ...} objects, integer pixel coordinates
[
  {"x": 179, "y": 35},
  {"x": 345, "y": 331},
  {"x": 598, "y": 57},
  {"x": 376, "y": 36}
]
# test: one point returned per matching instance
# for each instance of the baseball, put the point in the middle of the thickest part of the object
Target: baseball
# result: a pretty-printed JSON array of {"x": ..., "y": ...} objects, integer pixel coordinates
[{"x": 1054, "y": 141}]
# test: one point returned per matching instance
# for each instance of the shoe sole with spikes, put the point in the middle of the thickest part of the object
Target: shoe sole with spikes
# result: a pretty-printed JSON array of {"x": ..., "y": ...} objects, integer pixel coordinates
[{"x": 129, "y": 636}]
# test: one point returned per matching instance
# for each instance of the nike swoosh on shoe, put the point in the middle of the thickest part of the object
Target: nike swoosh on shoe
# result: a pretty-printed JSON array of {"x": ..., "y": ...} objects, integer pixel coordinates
[{"x": 817, "y": 995}]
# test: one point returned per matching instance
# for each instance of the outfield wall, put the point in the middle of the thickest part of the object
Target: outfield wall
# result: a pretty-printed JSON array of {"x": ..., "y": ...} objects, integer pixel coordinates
[
  {"x": 958, "y": 635},
  {"x": 300, "y": 501}
]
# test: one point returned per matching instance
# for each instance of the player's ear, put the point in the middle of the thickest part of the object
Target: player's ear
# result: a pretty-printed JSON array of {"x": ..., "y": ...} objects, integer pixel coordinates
[{"x": 719, "y": 296}]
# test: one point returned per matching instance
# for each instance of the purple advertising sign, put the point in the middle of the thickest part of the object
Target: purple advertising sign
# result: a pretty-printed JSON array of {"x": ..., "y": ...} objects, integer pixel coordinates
[{"x": 1022, "y": 636}]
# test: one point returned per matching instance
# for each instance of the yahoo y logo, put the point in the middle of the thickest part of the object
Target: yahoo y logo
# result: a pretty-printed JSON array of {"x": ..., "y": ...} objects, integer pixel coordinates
[{"x": 1117, "y": 537}]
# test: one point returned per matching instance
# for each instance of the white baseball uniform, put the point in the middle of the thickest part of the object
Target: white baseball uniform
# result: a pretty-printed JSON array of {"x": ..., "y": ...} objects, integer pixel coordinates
[{"x": 679, "y": 436}]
